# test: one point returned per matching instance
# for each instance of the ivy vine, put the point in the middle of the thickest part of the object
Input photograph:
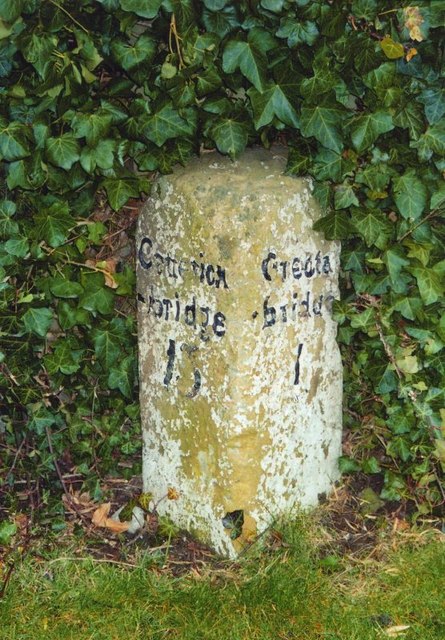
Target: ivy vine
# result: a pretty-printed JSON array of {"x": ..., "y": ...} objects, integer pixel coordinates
[{"x": 96, "y": 95}]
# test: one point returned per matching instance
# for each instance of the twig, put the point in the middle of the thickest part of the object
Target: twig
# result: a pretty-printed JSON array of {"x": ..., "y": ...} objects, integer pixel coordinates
[
  {"x": 56, "y": 4},
  {"x": 69, "y": 497},
  {"x": 6, "y": 580},
  {"x": 14, "y": 462},
  {"x": 431, "y": 214}
]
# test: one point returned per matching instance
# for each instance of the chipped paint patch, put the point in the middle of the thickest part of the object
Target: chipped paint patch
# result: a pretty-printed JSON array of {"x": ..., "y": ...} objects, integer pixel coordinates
[{"x": 240, "y": 373}]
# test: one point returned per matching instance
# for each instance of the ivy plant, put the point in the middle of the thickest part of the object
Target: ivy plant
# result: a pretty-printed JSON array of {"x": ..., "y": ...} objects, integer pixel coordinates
[{"x": 96, "y": 95}]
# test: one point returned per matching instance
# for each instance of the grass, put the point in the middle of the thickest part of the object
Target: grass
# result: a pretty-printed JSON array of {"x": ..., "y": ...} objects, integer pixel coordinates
[{"x": 284, "y": 594}]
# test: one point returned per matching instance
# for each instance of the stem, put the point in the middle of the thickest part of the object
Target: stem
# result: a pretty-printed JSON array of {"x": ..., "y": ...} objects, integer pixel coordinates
[
  {"x": 56, "y": 4},
  {"x": 431, "y": 214}
]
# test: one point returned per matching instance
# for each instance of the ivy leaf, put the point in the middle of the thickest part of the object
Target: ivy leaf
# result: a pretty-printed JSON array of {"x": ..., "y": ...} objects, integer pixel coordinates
[
  {"x": 101, "y": 156},
  {"x": 297, "y": 32},
  {"x": 373, "y": 226},
  {"x": 272, "y": 5},
  {"x": 166, "y": 124},
  {"x": 367, "y": 128},
  {"x": 130, "y": 56},
  {"x": 96, "y": 297},
  {"x": 63, "y": 151},
  {"x": 432, "y": 141},
  {"x": 344, "y": 196},
  {"x": 38, "y": 50},
  {"x": 391, "y": 49},
  {"x": 92, "y": 126},
  {"x": 272, "y": 103},
  {"x": 429, "y": 283},
  {"x": 8, "y": 227},
  {"x": 122, "y": 378},
  {"x": 38, "y": 320},
  {"x": 143, "y": 8},
  {"x": 120, "y": 190},
  {"x": 395, "y": 260},
  {"x": 410, "y": 117},
  {"x": 17, "y": 247},
  {"x": 215, "y": 5},
  {"x": 328, "y": 165},
  {"x": 220, "y": 22},
  {"x": 63, "y": 288},
  {"x": 54, "y": 224},
  {"x": 335, "y": 226},
  {"x": 323, "y": 123},
  {"x": 108, "y": 342},
  {"x": 249, "y": 59},
  {"x": 13, "y": 141},
  {"x": 230, "y": 136},
  {"x": 409, "y": 307},
  {"x": 10, "y": 10},
  {"x": 434, "y": 101},
  {"x": 410, "y": 195},
  {"x": 366, "y": 9},
  {"x": 65, "y": 358}
]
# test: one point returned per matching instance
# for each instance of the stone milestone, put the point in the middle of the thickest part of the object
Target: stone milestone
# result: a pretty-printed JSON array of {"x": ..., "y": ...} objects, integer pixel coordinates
[{"x": 240, "y": 373}]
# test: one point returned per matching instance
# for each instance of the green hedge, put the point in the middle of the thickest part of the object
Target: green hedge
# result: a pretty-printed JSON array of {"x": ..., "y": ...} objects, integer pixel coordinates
[{"x": 96, "y": 95}]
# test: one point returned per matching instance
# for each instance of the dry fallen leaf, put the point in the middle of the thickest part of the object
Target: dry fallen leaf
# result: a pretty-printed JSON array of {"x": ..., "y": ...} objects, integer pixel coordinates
[
  {"x": 101, "y": 514},
  {"x": 411, "y": 53},
  {"x": 100, "y": 519},
  {"x": 398, "y": 630}
]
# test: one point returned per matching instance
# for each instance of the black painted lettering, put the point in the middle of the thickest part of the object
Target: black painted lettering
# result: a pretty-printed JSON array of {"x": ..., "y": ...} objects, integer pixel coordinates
[
  {"x": 308, "y": 268},
  {"x": 326, "y": 265},
  {"x": 143, "y": 253},
  {"x": 316, "y": 307},
  {"x": 171, "y": 354},
  {"x": 210, "y": 275},
  {"x": 283, "y": 310},
  {"x": 265, "y": 265},
  {"x": 221, "y": 275},
  {"x": 318, "y": 263},
  {"x": 167, "y": 306},
  {"x": 306, "y": 305},
  {"x": 171, "y": 265},
  {"x": 206, "y": 312},
  {"x": 296, "y": 269},
  {"x": 283, "y": 265},
  {"x": 190, "y": 313},
  {"x": 270, "y": 314},
  {"x": 141, "y": 298},
  {"x": 160, "y": 263},
  {"x": 219, "y": 326},
  {"x": 297, "y": 364},
  {"x": 178, "y": 307}
]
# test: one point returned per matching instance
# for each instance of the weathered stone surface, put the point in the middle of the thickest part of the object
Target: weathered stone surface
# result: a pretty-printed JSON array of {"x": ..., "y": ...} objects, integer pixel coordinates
[{"x": 240, "y": 372}]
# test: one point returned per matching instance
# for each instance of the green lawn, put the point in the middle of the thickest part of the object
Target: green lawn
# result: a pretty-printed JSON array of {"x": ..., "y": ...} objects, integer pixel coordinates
[{"x": 285, "y": 594}]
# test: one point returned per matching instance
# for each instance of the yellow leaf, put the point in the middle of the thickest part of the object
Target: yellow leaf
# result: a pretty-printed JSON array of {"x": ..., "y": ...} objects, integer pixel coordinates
[
  {"x": 398, "y": 630},
  {"x": 411, "y": 53},
  {"x": 144, "y": 500},
  {"x": 408, "y": 364},
  {"x": 413, "y": 20},
  {"x": 391, "y": 49}
]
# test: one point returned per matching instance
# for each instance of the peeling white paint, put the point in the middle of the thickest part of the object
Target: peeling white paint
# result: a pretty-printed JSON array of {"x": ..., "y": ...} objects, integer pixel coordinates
[{"x": 252, "y": 430}]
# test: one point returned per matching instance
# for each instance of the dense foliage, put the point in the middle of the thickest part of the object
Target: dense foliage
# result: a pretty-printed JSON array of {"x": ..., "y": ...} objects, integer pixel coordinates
[{"x": 97, "y": 94}]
